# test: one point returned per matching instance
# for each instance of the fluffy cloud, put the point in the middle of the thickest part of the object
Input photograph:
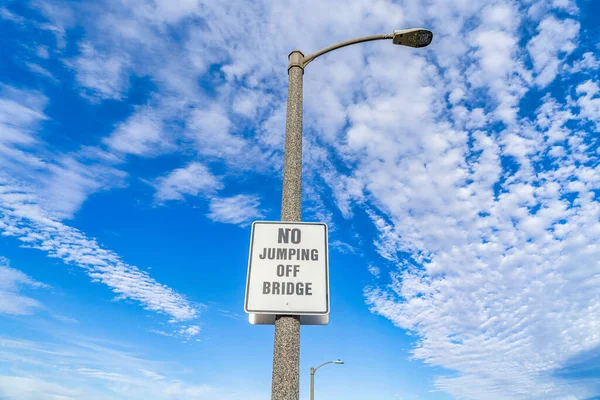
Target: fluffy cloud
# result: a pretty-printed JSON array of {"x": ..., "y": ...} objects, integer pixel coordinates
[
  {"x": 589, "y": 102},
  {"x": 501, "y": 290},
  {"x": 191, "y": 180},
  {"x": 555, "y": 40},
  {"x": 140, "y": 135},
  {"x": 196, "y": 179},
  {"x": 588, "y": 62}
]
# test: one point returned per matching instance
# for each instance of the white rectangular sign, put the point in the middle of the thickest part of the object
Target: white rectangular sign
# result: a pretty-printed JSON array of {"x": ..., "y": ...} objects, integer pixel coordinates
[{"x": 288, "y": 271}]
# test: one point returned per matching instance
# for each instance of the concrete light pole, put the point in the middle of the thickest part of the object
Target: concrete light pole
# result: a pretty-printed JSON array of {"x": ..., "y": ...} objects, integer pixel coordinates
[
  {"x": 286, "y": 353},
  {"x": 312, "y": 376}
]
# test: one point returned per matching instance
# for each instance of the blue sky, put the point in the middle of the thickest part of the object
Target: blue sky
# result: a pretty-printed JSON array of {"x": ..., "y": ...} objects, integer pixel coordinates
[{"x": 140, "y": 139}]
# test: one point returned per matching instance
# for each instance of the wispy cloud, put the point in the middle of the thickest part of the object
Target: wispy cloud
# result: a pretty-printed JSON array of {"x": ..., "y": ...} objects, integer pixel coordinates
[
  {"x": 101, "y": 75},
  {"x": 241, "y": 209},
  {"x": 12, "y": 282},
  {"x": 24, "y": 219},
  {"x": 41, "y": 71},
  {"x": 9, "y": 16},
  {"x": 486, "y": 207},
  {"x": 233, "y": 315},
  {"x": 16, "y": 387},
  {"x": 92, "y": 371},
  {"x": 342, "y": 247},
  {"x": 59, "y": 182},
  {"x": 36, "y": 194}
]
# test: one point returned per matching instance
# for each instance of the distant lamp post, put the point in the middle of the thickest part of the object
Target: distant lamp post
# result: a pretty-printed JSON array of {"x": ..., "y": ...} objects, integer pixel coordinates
[{"x": 312, "y": 376}]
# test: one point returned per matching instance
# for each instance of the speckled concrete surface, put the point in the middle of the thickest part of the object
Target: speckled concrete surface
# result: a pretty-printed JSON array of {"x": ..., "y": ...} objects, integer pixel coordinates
[{"x": 286, "y": 353}]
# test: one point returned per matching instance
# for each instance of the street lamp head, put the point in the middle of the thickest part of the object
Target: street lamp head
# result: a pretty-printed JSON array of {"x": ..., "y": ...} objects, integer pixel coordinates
[
  {"x": 338, "y": 362},
  {"x": 417, "y": 37}
]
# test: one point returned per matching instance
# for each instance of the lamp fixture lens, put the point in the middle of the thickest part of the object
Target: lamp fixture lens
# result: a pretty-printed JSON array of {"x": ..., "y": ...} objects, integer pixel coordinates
[{"x": 413, "y": 37}]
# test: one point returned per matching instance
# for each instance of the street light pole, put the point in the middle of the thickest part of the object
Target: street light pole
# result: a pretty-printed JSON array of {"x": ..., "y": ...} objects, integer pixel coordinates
[
  {"x": 286, "y": 352},
  {"x": 312, "y": 376}
]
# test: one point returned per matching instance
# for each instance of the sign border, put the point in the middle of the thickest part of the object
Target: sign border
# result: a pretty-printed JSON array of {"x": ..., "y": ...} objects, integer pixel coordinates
[{"x": 326, "y": 270}]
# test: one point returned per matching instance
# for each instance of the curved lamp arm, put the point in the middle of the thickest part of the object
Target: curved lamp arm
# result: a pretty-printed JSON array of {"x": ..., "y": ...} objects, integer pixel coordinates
[
  {"x": 345, "y": 43},
  {"x": 416, "y": 37},
  {"x": 313, "y": 370}
]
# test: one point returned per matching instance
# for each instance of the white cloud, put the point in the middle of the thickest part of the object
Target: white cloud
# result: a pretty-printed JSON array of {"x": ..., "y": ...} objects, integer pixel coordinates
[
  {"x": 588, "y": 62},
  {"x": 494, "y": 63},
  {"x": 552, "y": 118},
  {"x": 9, "y": 16},
  {"x": 191, "y": 180},
  {"x": 152, "y": 375},
  {"x": 141, "y": 135},
  {"x": 12, "y": 282},
  {"x": 497, "y": 291},
  {"x": 42, "y": 52},
  {"x": 589, "y": 102},
  {"x": 241, "y": 209},
  {"x": 211, "y": 130},
  {"x": 541, "y": 8},
  {"x": 59, "y": 182},
  {"x": 92, "y": 371},
  {"x": 102, "y": 75},
  {"x": 22, "y": 388},
  {"x": 24, "y": 219},
  {"x": 21, "y": 109},
  {"x": 41, "y": 71},
  {"x": 68, "y": 182},
  {"x": 190, "y": 331},
  {"x": 36, "y": 194},
  {"x": 165, "y": 11},
  {"x": 555, "y": 41},
  {"x": 493, "y": 276},
  {"x": 342, "y": 247},
  {"x": 374, "y": 270}
]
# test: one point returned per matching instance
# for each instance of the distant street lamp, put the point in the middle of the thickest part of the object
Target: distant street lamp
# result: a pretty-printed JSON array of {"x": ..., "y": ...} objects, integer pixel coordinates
[
  {"x": 286, "y": 352},
  {"x": 312, "y": 376}
]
